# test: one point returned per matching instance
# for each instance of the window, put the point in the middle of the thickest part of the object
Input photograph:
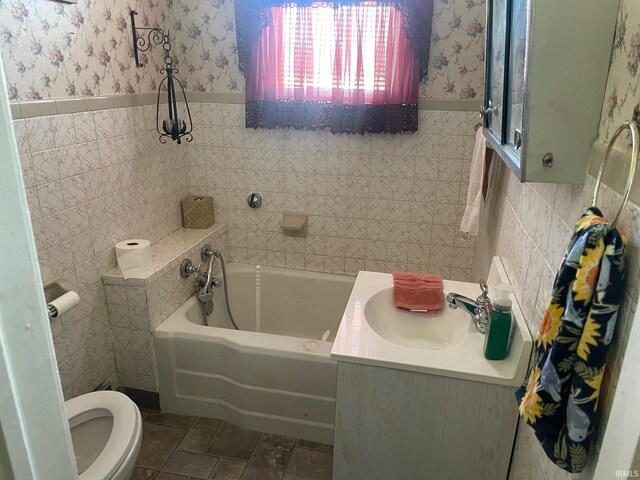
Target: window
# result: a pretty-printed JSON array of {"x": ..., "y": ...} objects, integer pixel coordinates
[
  {"x": 355, "y": 31},
  {"x": 348, "y": 66}
]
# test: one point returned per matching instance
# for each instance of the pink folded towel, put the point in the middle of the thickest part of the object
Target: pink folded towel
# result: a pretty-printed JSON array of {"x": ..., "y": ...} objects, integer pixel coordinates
[{"x": 418, "y": 292}]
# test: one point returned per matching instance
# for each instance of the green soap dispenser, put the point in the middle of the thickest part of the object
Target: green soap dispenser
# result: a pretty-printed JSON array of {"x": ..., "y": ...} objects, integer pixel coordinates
[{"x": 498, "y": 338}]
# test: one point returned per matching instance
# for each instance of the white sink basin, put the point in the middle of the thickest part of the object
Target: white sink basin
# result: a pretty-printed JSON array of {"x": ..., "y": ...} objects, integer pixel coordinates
[
  {"x": 412, "y": 329},
  {"x": 374, "y": 332}
]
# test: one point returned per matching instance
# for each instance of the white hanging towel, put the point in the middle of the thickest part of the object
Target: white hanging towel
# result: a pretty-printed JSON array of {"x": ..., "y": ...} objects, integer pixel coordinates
[{"x": 471, "y": 217}]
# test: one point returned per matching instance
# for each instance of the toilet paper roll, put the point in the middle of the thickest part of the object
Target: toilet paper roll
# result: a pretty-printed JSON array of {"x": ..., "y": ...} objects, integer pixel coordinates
[
  {"x": 63, "y": 304},
  {"x": 134, "y": 256}
]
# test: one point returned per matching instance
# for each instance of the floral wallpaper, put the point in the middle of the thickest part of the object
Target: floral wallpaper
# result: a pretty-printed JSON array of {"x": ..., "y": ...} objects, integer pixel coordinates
[
  {"x": 206, "y": 37},
  {"x": 623, "y": 84},
  {"x": 456, "y": 66},
  {"x": 205, "y": 30},
  {"x": 52, "y": 49}
]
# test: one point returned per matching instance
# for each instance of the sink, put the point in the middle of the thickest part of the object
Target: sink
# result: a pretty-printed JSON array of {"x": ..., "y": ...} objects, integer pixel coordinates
[
  {"x": 373, "y": 332},
  {"x": 412, "y": 329}
]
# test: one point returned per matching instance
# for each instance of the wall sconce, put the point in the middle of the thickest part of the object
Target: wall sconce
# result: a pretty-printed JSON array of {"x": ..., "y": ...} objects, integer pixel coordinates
[{"x": 168, "y": 125}]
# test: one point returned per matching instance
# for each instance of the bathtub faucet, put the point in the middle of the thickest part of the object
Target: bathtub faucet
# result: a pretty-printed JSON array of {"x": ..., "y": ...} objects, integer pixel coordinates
[
  {"x": 205, "y": 281},
  {"x": 205, "y": 284}
]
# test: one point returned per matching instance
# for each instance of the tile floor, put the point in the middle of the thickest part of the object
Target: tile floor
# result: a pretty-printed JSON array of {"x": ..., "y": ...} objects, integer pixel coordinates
[{"x": 179, "y": 447}]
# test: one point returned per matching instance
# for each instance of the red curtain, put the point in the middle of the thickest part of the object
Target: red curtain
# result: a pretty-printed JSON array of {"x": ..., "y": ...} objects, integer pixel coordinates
[
  {"x": 351, "y": 55},
  {"x": 349, "y": 67},
  {"x": 253, "y": 15}
]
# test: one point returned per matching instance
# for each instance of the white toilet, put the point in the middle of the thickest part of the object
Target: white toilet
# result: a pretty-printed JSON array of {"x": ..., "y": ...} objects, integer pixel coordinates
[{"x": 106, "y": 430}]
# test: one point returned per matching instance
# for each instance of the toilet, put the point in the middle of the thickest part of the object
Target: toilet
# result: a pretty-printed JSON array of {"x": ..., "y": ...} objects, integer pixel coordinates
[{"x": 106, "y": 431}]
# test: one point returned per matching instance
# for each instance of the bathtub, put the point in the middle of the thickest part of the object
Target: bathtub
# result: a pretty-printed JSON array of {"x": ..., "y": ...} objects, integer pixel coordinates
[{"x": 275, "y": 374}]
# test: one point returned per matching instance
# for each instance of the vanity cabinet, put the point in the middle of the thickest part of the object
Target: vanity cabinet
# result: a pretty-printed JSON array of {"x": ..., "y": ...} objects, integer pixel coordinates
[
  {"x": 395, "y": 424},
  {"x": 415, "y": 400},
  {"x": 546, "y": 66}
]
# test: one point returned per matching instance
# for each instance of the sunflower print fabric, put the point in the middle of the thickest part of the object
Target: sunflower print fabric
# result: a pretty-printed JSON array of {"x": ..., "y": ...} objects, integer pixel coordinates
[{"x": 560, "y": 397}]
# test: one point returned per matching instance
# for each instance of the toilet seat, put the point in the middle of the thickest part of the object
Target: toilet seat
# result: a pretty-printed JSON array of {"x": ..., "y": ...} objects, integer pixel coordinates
[{"x": 126, "y": 424}]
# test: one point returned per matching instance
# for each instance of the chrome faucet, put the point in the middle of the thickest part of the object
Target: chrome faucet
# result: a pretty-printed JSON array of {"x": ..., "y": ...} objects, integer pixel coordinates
[
  {"x": 478, "y": 309},
  {"x": 204, "y": 281},
  {"x": 205, "y": 284}
]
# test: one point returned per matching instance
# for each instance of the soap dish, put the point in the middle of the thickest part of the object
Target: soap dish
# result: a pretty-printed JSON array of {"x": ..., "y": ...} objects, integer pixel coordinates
[{"x": 294, "y": 224}]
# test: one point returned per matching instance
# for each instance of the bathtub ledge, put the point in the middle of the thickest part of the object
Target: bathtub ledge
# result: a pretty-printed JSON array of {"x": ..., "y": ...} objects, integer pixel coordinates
[{"x": 165, "y": 252}]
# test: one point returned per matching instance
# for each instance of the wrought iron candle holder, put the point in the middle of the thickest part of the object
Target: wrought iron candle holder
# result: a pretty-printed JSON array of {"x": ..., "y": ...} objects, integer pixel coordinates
[{"x": 171, "y": 125}]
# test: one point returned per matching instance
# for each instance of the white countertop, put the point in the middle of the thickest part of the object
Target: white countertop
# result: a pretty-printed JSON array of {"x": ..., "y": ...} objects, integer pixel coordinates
[{"x": 357, "y": 342}]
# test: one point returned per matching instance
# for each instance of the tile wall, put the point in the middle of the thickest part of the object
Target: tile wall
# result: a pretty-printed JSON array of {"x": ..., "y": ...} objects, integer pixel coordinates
[
  {"x": 93, "y": 179},
  {"x": 529, "y": 226},
  {"x": 375, "y": 202},
  {"x": 137, "y": 306}
]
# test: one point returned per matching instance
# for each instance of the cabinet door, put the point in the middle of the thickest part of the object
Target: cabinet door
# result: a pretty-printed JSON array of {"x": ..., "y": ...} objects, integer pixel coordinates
[
  {"x": 496, "y": 45},
  {"x": 517, "y": 72}
]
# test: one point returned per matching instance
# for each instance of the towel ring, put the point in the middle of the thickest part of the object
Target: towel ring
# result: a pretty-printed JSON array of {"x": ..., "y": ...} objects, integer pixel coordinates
[{"x": 635, "y": 151}]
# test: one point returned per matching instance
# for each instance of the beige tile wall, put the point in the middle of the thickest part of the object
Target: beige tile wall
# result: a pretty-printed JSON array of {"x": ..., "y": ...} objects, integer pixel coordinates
[
  {"x": 138, "y": 306},
  {"x": 375, "y": 202},
  {"x": 93, "y": 179},
  {"x": 529, "y": 226}
]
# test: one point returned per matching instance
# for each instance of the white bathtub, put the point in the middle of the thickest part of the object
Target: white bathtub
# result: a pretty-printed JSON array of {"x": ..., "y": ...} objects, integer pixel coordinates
[{"x": 279, "y": 379}]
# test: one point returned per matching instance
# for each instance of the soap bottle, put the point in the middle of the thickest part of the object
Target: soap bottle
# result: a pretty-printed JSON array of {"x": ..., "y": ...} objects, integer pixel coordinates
[{"x": 498, "y": 338}]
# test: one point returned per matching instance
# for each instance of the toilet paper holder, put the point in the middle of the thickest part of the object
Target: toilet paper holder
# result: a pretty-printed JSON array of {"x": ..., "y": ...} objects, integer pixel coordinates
[{"x": 54, "y": 289}]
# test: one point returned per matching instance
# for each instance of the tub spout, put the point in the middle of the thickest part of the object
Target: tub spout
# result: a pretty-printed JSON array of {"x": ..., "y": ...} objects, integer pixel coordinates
[{"x": 205, "y": 296}]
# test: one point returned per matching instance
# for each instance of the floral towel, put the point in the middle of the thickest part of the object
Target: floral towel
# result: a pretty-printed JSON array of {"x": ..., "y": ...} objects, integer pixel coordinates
[{"x": 560, "y": 397}]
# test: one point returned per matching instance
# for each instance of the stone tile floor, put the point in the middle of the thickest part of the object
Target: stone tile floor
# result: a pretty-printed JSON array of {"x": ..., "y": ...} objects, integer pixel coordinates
[{"x": 179, "y": 447}]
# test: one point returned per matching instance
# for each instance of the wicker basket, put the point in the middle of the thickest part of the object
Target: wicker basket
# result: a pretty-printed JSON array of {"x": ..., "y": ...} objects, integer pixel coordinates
[{"x": 197, "y": 211}]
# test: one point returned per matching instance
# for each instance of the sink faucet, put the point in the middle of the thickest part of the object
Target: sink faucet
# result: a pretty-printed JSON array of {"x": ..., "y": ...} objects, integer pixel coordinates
[{"x": 478, "y": 309}]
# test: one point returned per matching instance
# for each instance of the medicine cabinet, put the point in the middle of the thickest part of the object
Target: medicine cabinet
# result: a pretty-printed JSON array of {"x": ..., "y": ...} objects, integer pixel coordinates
[{"x": 546, "y": 71}]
